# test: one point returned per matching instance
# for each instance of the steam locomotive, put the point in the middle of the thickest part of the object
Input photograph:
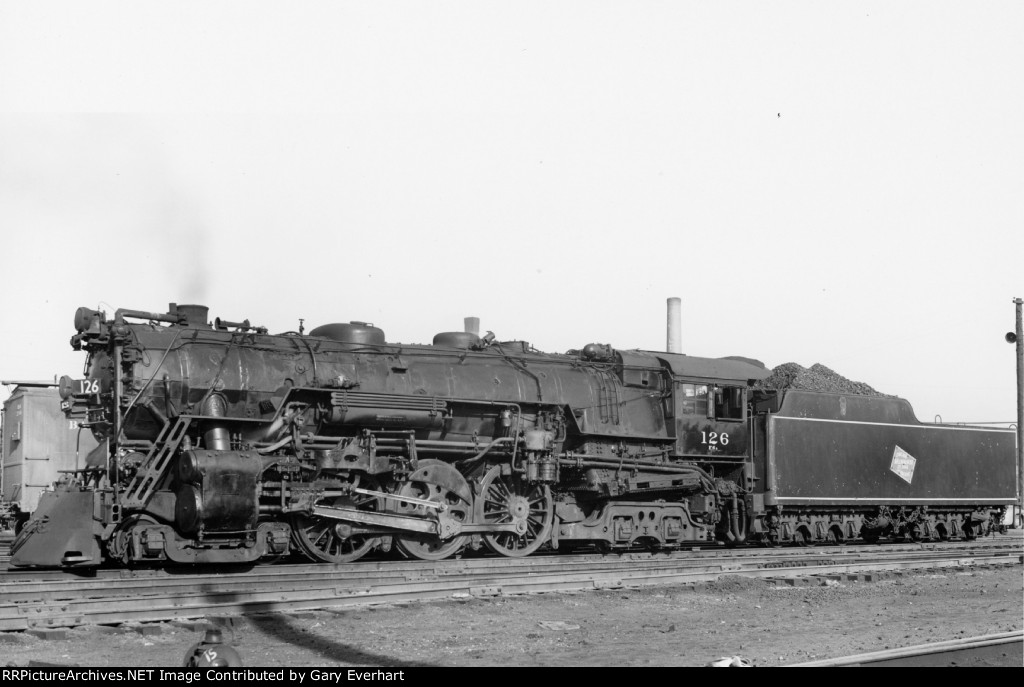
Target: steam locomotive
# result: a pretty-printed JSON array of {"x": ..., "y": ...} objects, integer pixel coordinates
[{"x": 222, "y": 443}]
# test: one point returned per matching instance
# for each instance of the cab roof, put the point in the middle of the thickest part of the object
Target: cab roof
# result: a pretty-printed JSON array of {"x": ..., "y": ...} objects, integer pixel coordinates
[{"x": 732, "y": 368}]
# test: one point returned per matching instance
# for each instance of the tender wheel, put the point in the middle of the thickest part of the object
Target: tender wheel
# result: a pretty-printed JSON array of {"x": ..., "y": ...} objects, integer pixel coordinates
[
  {"x": 508, "y": 499},
  {"x": 437, "y": 481},
  {"x": 834, "y": 536},
  {"x": 331, "y": 541},
  {"x": 800, "y": 537}
]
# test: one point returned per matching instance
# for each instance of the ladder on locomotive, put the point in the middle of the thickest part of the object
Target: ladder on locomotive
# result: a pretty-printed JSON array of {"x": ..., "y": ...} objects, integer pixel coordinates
[{"x": 147, "y": 477}]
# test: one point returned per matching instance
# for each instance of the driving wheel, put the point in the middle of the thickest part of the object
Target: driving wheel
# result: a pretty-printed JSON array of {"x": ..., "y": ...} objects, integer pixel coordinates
[
  {"x": 438, "y": 482},
  {"x": 332, "y": 541},
  {"x": 510, "y": 500}
]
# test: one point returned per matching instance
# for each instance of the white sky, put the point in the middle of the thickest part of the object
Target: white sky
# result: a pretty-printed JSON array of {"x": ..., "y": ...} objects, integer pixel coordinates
[{"x": 833, "y": 182}]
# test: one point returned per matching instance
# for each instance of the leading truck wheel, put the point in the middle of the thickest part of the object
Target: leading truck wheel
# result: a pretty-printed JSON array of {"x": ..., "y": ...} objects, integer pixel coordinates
[
  {"x": 331, "y": 541},
  {"x": 510, "y": 500}
]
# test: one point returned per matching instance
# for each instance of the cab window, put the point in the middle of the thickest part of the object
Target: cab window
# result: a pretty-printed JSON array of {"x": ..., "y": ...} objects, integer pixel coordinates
[
  {"x": 730, "y": 402},
  {"x": 694, "y": 399}
]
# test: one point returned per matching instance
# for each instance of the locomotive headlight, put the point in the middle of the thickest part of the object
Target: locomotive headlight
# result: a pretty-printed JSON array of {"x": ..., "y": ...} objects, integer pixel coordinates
[
  {"x": 66, "y": 387},
  {"x": 84, "y": 318}
]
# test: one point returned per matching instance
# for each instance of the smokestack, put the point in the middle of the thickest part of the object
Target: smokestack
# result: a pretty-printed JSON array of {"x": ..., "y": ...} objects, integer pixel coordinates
[
  {"x": 673, "y": 343},
  {"x": 196, "y": 315},
  {"x": 472, "y": 325}
]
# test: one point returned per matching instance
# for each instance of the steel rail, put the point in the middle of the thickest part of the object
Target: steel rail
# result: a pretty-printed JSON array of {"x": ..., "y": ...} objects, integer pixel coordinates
[
  {"x": 390, "y": 566},
  {"x": 57, "y": 581},
  {"x": 944, "y": 647},
  {"x": 145, "y": 602},
  {"x": 27, "y": 591}
]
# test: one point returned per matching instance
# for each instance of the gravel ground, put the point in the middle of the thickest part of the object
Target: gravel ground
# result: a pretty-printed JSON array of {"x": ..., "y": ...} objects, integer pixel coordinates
[{"x": 655, "y": 626}]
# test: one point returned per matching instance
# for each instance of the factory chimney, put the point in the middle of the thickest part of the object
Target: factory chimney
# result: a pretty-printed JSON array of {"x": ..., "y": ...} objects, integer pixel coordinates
[
  {"x": 674, "y": 327},
  {"x": 472, "y": 325}
]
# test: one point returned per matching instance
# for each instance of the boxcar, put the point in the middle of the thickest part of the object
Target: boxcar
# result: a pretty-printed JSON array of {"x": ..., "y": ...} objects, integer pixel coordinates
[{"x": 39, "y": 442}]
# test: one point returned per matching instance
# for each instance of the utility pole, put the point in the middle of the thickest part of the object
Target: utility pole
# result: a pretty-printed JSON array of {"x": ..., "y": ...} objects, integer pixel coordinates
[{"x": 1017, "y": 337}]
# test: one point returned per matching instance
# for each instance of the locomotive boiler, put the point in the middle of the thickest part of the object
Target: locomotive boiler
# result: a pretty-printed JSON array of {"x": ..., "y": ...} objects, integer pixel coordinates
[{"x": 221, "y": 442}]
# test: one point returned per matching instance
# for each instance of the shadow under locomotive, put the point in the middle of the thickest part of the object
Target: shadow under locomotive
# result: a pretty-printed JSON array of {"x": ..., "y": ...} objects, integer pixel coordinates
[{"x": 222, "y": 443}]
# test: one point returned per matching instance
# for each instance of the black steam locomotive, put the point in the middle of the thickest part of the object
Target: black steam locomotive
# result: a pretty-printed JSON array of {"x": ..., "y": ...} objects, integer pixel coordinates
[{"x": 220, "y": 442}]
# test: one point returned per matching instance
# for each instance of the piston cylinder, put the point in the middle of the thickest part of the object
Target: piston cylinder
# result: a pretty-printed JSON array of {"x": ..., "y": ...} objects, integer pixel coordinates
[{"x": 218, "y": 491}]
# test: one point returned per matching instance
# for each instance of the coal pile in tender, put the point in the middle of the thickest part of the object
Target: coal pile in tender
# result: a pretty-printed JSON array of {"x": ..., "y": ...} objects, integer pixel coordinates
[{"x": 815, "y": 378}]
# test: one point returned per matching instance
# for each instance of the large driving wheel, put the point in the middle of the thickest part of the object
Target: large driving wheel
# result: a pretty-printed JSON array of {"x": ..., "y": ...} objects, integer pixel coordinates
[
  {"x": 332, "y": 541},
  {"x": 509, "y": 499},
  {"x": 439, "y": 482}
]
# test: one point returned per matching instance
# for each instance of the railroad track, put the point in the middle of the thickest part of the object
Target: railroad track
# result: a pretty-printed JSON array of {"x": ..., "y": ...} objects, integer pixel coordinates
[
  {"x": 1005, "y": 649},
  {"x": 52, "y": 599},
  {"x": 695, "y": 551}
]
